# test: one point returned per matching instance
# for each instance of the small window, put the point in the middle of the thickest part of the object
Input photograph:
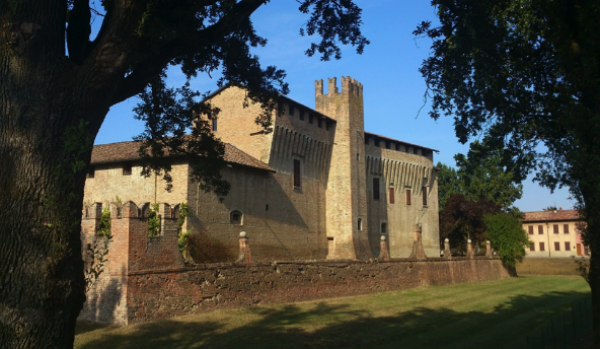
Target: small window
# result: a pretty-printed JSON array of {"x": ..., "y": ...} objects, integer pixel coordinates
[
  {"x": 531, "y": 230},
  {"x": 91, "y": 172},
  {"x": 291, "y": 110},
  {"x": 391, "y": 195},
  {"x": 297, "y": 173},
  {"x": 542, "y": 247},
  {"x": 424, "y": 196},
  {"x": 540, "y": 229},
  {"x": 319, "y": 123},
  {"x": 301, "y": 114},
  {"x": 326, "y": 125},
  {"x": 397, "y": 146},
  {"x": 235, "y": 217},
  {"x": 408, "y": 196},
  {"x": 566, "y": 229},
  {"x": 532, "y": 247},
  {"x": 388, "y": 145},
  {"x": 127, "y": 169},
  {"x": 375, "y": 188},
  {"x": 383, "y": 228},
  {"x": 367, "y": 140},
  {"x": 555, "y": 228},
  {"x": 567, "y": 246},
  {"x": 280, "y": 107},
  {"x": 311, "y": 119},
  {"x": 557, "y": 246},
  {"x": 360, "y": 224},
  {"x": 377, "y": 142},
  {"x": 214, "y": 124}
]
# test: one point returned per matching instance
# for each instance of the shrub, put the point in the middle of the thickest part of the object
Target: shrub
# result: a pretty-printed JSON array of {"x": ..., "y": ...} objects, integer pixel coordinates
[
  {"x": 505, "y": 231},
  {"x": 153, "y": 221},
  {"x": 104, "y": 224}
]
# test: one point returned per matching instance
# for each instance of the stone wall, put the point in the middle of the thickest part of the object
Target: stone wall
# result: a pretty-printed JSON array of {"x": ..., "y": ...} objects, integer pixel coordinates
[{"x": 160, "y": 294}]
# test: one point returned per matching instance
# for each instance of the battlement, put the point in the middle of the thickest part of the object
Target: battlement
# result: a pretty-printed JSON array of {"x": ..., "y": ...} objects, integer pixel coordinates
[{"x": 349, "y": 86}]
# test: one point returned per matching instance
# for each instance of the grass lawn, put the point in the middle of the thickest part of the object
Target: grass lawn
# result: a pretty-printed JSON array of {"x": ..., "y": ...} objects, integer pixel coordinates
[{"x": 494, "y": 314}]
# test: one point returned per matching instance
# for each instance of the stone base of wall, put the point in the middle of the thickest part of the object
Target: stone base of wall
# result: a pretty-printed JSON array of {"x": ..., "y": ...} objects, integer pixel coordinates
[
  {"x": 153, "y": 295},
  {"x": 549, "y": 266}
]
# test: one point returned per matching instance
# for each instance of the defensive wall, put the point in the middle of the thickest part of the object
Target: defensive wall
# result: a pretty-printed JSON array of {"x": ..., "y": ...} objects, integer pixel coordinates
[{"x": 145, "y": 278}]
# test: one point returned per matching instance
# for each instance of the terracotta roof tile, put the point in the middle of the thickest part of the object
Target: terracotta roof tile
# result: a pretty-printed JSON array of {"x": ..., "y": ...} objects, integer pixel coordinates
[
  {"x": 128, "y": 151},
  {"x": 543, "y": 216}
]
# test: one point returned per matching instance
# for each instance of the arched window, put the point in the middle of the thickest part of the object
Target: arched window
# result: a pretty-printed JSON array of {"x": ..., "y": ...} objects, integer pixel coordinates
[
  {"x": 360, "y": 224},
  {"x": 235, "y": 217},
  {"x": 383, "y": 228}
]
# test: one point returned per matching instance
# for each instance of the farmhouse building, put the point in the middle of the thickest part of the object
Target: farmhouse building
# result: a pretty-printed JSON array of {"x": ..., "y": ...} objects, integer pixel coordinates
[
  {"x": 317, "y": 187},
  {"x": 554, "y": 233}
]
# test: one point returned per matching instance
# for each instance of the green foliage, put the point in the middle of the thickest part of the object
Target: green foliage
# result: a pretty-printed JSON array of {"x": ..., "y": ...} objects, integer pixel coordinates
[
  {"x": 95, "y": 260},
  {"x": 462, "y": 219},
  {"x": 480, "y": 174},
  {"x": 182, "y": 240},
  {"x": 153, "y": 221},
  {"x": 104, "y": 224},
  {"x": 507, "y": 237},
  {"x": 550, "y": 208}
]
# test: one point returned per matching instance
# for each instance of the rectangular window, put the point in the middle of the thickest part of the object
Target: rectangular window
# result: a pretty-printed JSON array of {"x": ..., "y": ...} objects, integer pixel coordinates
[
  {"x": 397, "y": 146},
  {"x": 542, "y": 247},
  {"x": 566, "y": 229},
  {"x": 367, "y": 140},
  {"x": 297, "y": 180},
  {"x": 301, "y": 114},
  {"x": 531, "y": 230},
  {"x": 424, "y": 196},
  {"x": 567, "y": 246},
  {"x": 392, "y": 195},
  {"x": 291, "y": 110},
  {"x": 540, "y": 229},
  {"x": 320, "y": 123},
  {"x": 377, "y": 141},
  {"x": 127, "y": 169},
  {"x": 532, "y": 247},
  {"x": 327, "y": 125},
  {"x": 555, "y": 228},
  {"x": 91, "y": 172},
  {"x": 388, "y": 144},
  {"x": 311, "y": 119},
  {"x": 375, "y": 188},
  {"x": 557, "y": 246},
  {"x": 214, "y": 124},
  {"x": 280, "y": 108},
  {"x": 408, "y": 196}
]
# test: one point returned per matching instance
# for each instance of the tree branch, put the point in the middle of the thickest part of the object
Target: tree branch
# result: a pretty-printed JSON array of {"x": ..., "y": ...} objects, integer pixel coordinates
[{"x": 189, "y": 44}]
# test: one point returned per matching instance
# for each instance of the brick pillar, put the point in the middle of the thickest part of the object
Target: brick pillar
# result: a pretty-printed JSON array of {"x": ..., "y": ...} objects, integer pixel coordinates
[
  {"x": 417, "y": 251},
  {"x": 488, "y": 249},
  {"x": 470, "y": 253},
  {"x": 245, "y": 257},
  {"x": 384, "y": 253},
  {"x": 447, "y": 252}
]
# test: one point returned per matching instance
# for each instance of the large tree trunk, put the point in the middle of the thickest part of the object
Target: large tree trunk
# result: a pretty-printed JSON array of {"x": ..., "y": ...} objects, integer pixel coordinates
[
  {"x": 48, "y": 121},
  {"x": 44, "y": 149}
]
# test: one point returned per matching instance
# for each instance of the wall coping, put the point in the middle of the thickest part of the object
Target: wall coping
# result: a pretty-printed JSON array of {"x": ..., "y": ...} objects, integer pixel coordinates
[{"x": 328, "y": 262}]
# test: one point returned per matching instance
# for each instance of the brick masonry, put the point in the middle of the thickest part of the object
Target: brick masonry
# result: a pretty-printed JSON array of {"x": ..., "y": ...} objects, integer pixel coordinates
[{"x": 161, "y": 294}]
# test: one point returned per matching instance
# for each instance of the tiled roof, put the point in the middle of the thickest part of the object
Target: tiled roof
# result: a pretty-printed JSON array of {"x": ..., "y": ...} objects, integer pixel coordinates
[
  {"x": 399, "y": 141},
  {"x": 549, "y": 216},
  {"x": 128, "y": 151}
]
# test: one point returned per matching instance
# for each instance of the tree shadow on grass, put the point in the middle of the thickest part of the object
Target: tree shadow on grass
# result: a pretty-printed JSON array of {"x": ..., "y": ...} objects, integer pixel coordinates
[{"x": 338, "y": 326}]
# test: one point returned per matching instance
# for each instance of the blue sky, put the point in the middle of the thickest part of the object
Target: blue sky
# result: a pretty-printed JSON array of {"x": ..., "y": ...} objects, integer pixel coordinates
[{"x": 388, "y": 70}]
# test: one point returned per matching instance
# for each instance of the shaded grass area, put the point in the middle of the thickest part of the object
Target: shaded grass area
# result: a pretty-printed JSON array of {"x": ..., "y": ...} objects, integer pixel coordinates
[{"x": 495, "y": 314}]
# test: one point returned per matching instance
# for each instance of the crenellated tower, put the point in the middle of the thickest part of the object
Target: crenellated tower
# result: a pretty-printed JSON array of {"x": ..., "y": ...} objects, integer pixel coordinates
[{"x": 346, "y": 206}]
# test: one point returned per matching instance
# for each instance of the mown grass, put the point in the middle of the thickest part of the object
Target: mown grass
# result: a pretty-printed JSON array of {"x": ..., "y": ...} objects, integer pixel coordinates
[{"x": 495, "y": 314}]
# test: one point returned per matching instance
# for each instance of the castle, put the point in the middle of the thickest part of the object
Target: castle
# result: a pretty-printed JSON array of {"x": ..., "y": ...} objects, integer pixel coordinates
[{"x": 318, "y": 187}]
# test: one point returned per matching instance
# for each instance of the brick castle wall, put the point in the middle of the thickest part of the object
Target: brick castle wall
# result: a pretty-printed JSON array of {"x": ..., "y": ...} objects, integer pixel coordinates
[{"x": 153, "y": 295}]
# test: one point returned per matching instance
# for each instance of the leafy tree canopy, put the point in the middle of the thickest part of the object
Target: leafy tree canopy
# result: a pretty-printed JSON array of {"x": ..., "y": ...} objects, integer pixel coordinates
[
  {"x": 480, "y": 174},
  {"x": 524, "y": 75},
  {"x": 505, "y": 232}
]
